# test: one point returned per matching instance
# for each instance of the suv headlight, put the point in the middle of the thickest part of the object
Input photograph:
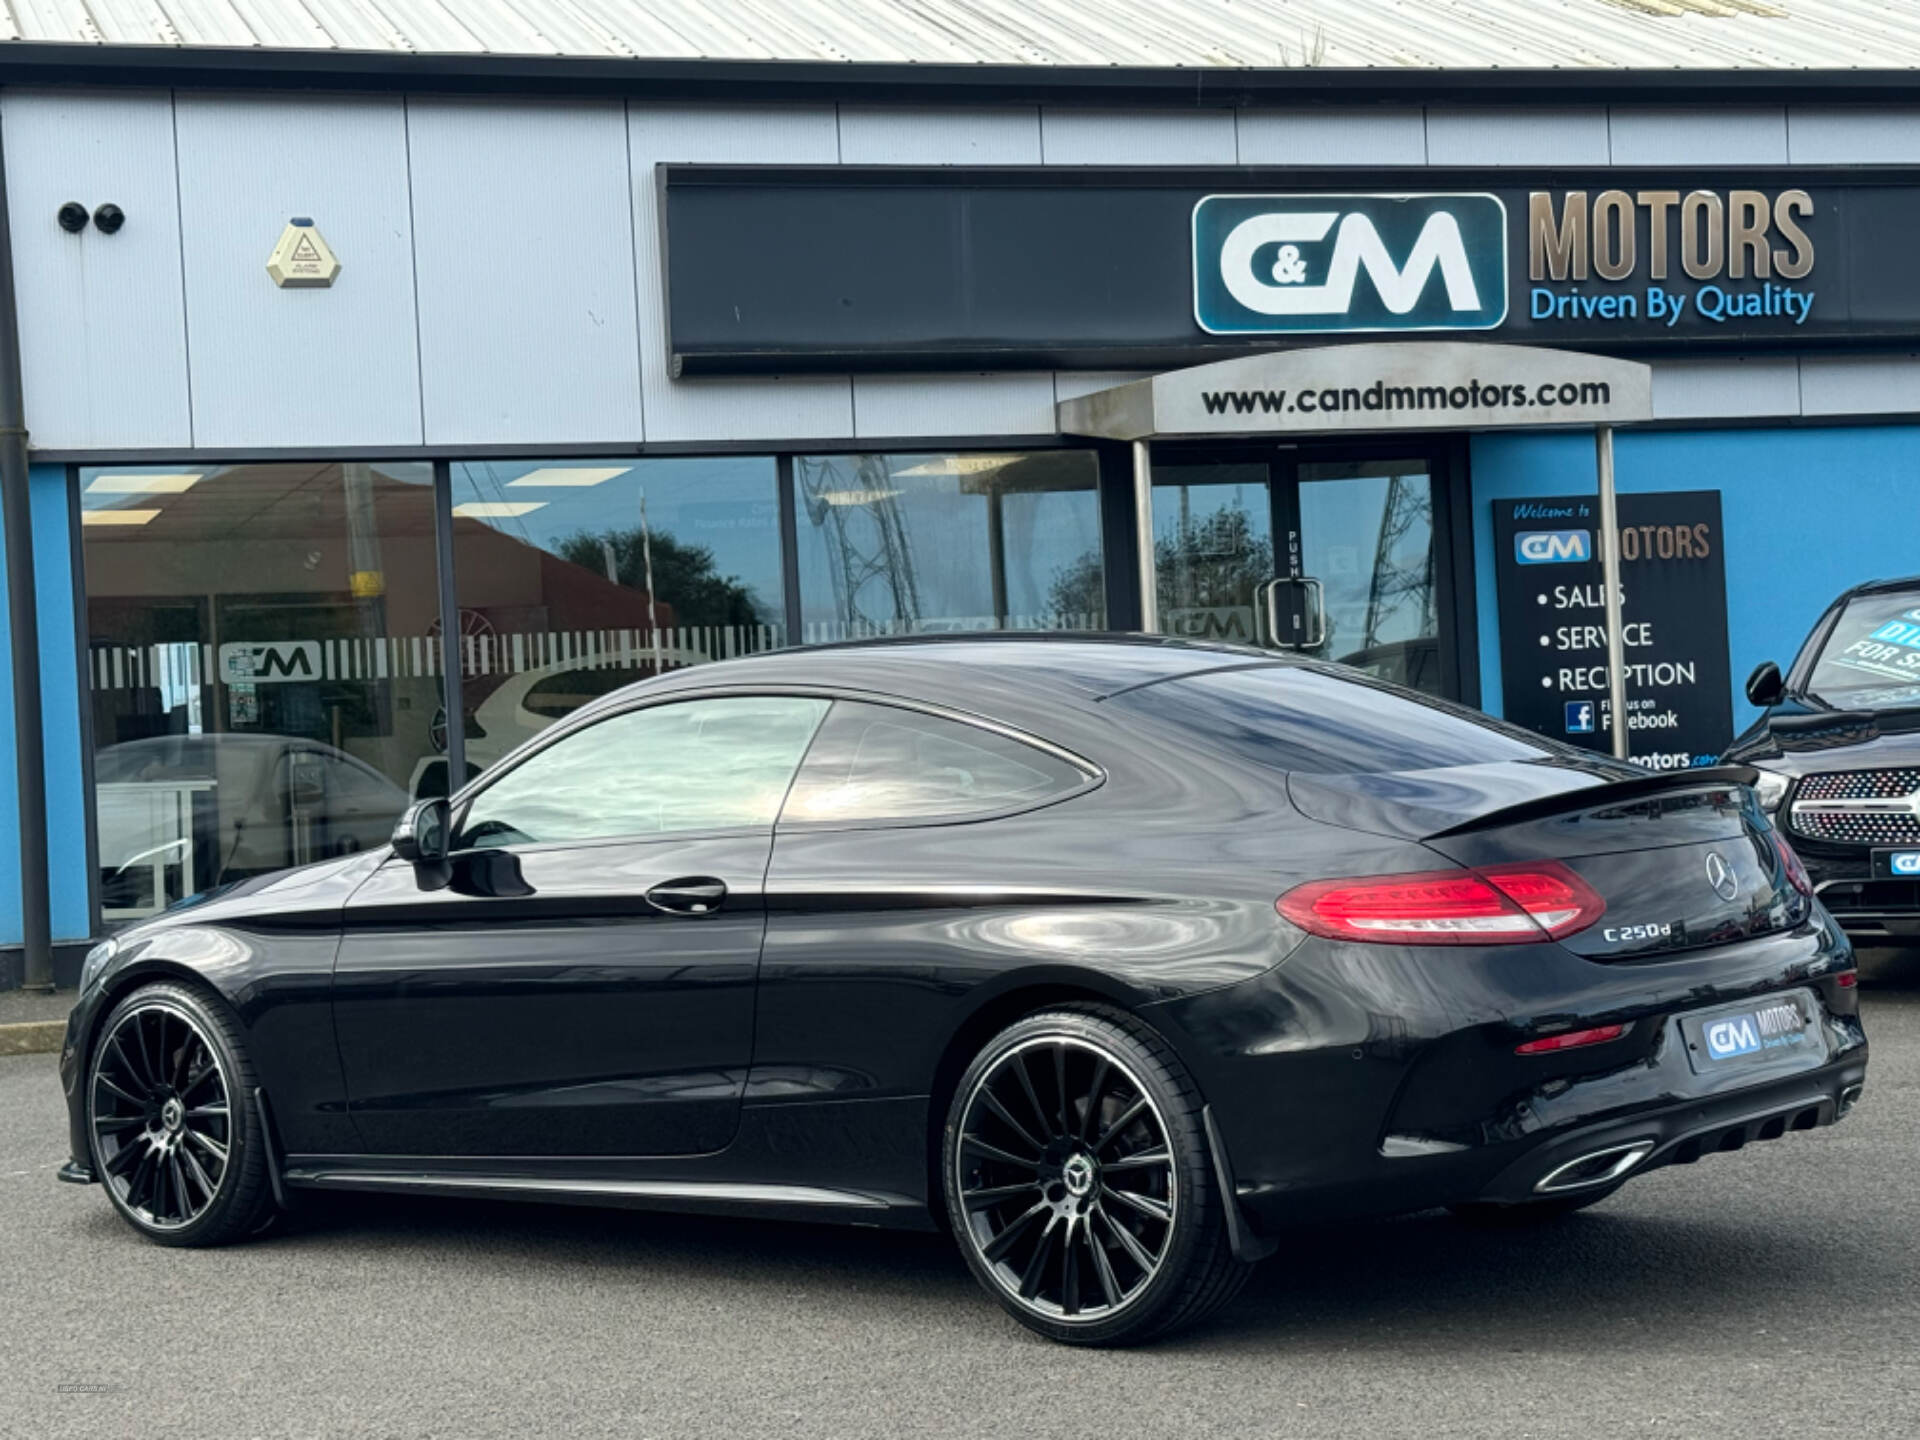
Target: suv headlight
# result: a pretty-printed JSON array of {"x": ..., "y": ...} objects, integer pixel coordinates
[
  {"x": 96, "y": 962},
  {"x": 1771, "y": 789}
]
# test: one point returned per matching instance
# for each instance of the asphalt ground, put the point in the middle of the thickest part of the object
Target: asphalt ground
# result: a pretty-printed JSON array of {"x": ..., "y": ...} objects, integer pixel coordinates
[{"x": 1773, "y": 1292}]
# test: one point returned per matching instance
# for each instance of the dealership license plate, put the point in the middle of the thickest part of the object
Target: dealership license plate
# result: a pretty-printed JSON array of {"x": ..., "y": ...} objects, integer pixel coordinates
[
  {"x": 1771, "y": 1029},
  {"x": 1898, "y": 864}
]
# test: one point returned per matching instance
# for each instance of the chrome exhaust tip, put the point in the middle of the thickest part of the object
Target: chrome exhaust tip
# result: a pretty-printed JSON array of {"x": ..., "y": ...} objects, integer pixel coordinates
[
  {"x": 1849, "y": 1098},
  {"x": 1597, "y": 1167}
]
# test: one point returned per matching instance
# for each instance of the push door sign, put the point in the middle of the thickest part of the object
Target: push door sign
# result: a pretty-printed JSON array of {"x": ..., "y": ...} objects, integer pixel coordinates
[
  {"x": 1553, "y": 624},
  {"x": 302, "y": 259}
]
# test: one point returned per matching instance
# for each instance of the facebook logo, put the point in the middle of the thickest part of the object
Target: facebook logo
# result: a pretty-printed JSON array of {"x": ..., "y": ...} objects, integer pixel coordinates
[{"x": 1579, "y": 717}]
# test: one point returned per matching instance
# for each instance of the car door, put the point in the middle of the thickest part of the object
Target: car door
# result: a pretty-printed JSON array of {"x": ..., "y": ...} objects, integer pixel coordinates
[
  {"x": 886, "y": 895},
  {"x": 578, "y": 978}
]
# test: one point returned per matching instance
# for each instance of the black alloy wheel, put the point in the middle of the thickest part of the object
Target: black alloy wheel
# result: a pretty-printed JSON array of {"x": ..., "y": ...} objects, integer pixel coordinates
[
  {"x": 175, "y": 1139},
  {"x": 1079, "y": 1184}
]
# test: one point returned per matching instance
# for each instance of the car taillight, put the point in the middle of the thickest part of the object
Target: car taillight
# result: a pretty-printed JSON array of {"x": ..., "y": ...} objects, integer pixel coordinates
[
  {"x": 1494, "y": 905},
  {"x": 1796, "y": 872},
  {"x": 1570, "y": 1040}
]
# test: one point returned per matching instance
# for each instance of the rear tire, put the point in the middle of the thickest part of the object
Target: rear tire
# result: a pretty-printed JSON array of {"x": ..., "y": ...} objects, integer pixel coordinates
[
  {"x": 1080, "y": 1185},
  {"x": 174, "y": 1133},
  {"x": 1543, "y": 1211}
]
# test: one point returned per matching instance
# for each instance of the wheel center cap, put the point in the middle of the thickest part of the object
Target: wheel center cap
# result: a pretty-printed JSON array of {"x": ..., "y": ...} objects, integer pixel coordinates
[
  {"x": 173, "y": 1114},
  {"x": 1078, "y": 1175}
]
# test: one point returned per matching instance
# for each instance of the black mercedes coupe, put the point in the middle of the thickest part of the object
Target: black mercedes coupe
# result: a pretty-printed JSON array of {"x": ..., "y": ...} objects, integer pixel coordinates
[{"x": 1115, "y": 957}]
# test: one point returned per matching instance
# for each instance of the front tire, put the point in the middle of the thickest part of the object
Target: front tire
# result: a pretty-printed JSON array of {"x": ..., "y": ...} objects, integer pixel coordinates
[
  {"x": 1079, "y": 1182},
  {"x": 175, "y": 1137}
]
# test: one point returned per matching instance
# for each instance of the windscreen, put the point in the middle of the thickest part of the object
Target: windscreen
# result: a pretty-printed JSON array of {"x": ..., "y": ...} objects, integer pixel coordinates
[
  {"x": 1871, "y": 658},
  {"x": 1308, "y": 720}
]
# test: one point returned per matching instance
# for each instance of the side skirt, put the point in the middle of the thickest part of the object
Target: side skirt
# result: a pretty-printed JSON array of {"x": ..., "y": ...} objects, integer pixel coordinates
[{"x": 791, "y": 1202}]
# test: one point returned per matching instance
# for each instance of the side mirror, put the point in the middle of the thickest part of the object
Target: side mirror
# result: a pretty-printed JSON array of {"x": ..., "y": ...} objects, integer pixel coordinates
[
  {"x": 1765, "y": 688},
  {"x": 420, "y": 835}
]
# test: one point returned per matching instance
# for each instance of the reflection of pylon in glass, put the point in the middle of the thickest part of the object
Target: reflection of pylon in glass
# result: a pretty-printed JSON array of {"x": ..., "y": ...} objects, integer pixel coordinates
[
  {"x": 869, "y": 562},
  {"x": 1402, "y": 586}
]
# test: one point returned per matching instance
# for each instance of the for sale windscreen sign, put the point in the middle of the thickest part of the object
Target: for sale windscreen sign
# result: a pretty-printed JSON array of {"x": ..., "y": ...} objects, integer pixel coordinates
[
  {"x": 1553, "y": 624},
  {"x": 1317, "y": 264}
]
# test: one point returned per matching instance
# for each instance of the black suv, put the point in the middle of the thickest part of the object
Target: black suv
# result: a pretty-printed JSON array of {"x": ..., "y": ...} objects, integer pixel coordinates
[{"x": 1838, "y": 752}]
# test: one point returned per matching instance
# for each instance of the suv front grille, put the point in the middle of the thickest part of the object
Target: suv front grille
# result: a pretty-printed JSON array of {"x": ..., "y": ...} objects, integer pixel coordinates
[
  {"x": 1859, "y": 785},
  {"x": 1850, "y": 898},
  {"x": 1858, "y": 807},
  {"x": 1839, "y": 828}
]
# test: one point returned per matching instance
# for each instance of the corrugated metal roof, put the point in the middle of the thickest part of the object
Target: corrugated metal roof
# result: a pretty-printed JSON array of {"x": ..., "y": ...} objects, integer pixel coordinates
[{"x": 1441, "y": 34}]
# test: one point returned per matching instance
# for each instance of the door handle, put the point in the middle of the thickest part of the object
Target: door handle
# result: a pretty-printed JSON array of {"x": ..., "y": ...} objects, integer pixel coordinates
[
  {"x": 693, "y": 895},
  {"x": 1314, "y": 632}
]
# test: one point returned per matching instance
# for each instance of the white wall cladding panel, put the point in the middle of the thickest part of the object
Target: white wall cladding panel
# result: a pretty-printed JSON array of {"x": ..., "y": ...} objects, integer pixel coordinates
[
  {"x": 273, "y": 367},
  {"x": 1716, "y": 136},
  {"x": 797, "y": 408},
  {"x": 102, "y": 321},
  {"x": 1136, "y": 137},
  {"x": 528, "y": 333},
  {"x": 1867, "y": 135},
  {"x": 1860, "y": 385},
  {"x": 1354, "y": 135},
  {"x": 1477, "y": 136},
  {"x": 884, "y": 135},
  {"x": 1726, "y": 389},
  {"x": 887, "y": 406}
]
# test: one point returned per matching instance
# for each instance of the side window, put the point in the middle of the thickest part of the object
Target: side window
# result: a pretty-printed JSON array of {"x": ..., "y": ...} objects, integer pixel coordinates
[
  {"x": 876, "y": 762},
  {"x": 691, "y": 765}
]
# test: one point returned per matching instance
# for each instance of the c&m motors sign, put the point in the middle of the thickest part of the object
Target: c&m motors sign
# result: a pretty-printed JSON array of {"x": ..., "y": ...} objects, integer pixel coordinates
[{"x": 1331, "y": 264}]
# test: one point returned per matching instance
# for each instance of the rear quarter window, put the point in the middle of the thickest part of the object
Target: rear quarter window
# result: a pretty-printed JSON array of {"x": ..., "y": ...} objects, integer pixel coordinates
[
  {"x": 1310, "y": 720},
  {"x": 885, "y": 763}
]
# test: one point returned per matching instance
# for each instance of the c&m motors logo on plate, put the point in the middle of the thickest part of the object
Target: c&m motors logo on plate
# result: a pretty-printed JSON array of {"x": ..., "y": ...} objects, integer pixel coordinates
[
  {"x": 1552, "y": 547},
  {"x": 1328, "y": 264}
]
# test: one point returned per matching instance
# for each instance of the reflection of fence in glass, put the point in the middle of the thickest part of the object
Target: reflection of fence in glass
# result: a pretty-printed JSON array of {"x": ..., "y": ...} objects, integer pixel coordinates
[
  {"x": 175, "y": 666},
  {"x": 827, "y": 632},
  {"x": 675, "y": 646},
  {"x": 177, "y": 669}
]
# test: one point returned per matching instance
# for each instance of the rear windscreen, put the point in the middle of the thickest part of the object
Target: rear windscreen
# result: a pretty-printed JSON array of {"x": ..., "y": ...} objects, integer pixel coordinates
[{"x": 1313, "y": 721}]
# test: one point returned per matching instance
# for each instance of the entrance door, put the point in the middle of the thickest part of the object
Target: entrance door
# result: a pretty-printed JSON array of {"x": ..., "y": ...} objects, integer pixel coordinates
[{"x": 1335, "y": 555}]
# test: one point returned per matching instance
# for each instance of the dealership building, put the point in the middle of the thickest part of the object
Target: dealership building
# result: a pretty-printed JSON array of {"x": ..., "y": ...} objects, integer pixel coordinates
[{"x": 382, "y": 380}]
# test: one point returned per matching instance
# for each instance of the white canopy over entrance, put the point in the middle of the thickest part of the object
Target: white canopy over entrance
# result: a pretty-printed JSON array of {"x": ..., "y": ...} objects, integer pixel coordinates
[{"x": 1363, "y": 388}]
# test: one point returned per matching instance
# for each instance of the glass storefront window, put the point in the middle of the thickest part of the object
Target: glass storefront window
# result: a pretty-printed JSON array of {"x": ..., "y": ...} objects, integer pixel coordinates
[
  {"x": 897, "y": 544},
  {"x": 1212, "y": 550},
  {"x": 264, "y": 677},
  {"x": 575, "y": 577},
  {"x": 1366, "y": 531}
]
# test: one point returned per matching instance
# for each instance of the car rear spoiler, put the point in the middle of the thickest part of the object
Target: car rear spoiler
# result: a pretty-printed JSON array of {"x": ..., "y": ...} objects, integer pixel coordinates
[{"x": 1614, "y": 792}]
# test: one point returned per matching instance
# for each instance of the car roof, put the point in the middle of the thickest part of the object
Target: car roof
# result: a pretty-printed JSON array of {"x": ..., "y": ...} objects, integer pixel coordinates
[
  {"x": 947, "y": 669},
  {"x": 1883, "y": 587}
]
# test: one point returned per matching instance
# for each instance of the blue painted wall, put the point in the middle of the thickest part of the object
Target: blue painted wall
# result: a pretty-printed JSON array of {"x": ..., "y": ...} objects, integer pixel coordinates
[
  {"x": 60, "y": 701},
  {"x": 1807, "y": 514}
]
